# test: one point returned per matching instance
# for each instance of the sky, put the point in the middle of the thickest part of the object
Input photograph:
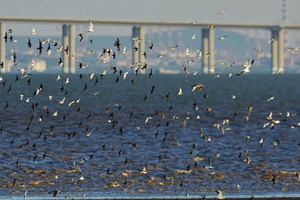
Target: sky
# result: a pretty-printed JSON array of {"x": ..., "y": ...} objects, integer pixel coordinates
[{"x": 260, "y": 11}]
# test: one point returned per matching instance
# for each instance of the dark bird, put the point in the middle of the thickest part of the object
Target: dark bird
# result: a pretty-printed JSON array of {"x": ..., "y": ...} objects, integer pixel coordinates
[
  {"x": 5, "y": 37},
  {"x": 81, "y": 35},
  {"x": 15, "y": 57},
  {"x": 152, "y": 89},
  {"x": 40, "y": 48},
  {"x": 2, "y": 65},
  {"x": 117, "y": 44},
  {"x": 145, "y": 97},
  {"x": 11, "y": 38},
  {"x": 29, "y": 43},
  {"x": 135, "y": 49},
  {"x": 151, "y": 46},
  {"x": 6, "y": 106},
  {"x": 85, "y": 87},
  {"x": 150, "y": 74},
  {"x": 145, "y": 54},
  {"x": 67, "y": 50}
]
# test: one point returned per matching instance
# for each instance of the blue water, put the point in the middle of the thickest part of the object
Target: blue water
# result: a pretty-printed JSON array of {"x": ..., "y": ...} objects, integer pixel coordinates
[{"x": 176, "y": 158}]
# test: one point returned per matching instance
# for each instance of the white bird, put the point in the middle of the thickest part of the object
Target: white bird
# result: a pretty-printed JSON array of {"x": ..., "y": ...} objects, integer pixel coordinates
[
  {"x": 247, "y": 68},
  {"x": 61, "y": 101},
  {"x": 33, "y": 31},
  {"x": 187, "y": 52},
  {"x": 271, "y": 98},
  {"x": 147, "y": 119},
  {"x": 67, "y": 81},
  {"x": 124, "y": 75},
  {"x": 223, "y": 37},
  {"x": 180, "y": 92},
  {"x": 71, "y": 103},
  {"x": 55, "y": 113},
  {"x": 124, "y": 49},
  {"x": 21, "y": 96},
  {"x": 220, "y": 194},
  {"x": 193, "y": 37},
  {"x": 91, "y": 29},
  {"x": 200, "y": 54},
  {"x": 58, "y": 77}
]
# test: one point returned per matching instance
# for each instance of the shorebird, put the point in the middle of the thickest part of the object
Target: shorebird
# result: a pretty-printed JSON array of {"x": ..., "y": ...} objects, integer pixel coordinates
[
  {"x": 271, "y": 40},
  {"x": 91, "y": 29},
  {"x": 197, "y": 86}
]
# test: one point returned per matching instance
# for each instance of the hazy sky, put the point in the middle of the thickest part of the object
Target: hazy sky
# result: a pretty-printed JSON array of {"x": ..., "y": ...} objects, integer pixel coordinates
[{"x": 184, "y": 10}]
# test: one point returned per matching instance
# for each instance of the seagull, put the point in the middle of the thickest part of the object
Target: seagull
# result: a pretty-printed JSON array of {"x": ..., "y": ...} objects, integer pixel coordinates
[
  {"x": 91, "y": 27},
  {"x": 247, "y": 68},
  {"x": 271, "y": 98},
  {"x": 180, "y": 92},
  {"x": 187, "y": 52},
  {"x": 33, "y": 31}
]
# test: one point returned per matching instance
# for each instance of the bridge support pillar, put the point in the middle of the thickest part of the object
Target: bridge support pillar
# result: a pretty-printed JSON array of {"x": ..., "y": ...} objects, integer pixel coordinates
[
  {"x": 2, "y": 46},
  {"x": 281, "y": 50},
  {"x": 211, "y": 41},
  {"x": 65, "y": 57},
  {"x": 135, "y": 36},
  {"x": 274, "y": 50},
  {"x": 72, "y": 54},
  {"x": 141, "y": 44},
  {"x": 205, "y": 50},
  {"x": 277, "y": 50}
]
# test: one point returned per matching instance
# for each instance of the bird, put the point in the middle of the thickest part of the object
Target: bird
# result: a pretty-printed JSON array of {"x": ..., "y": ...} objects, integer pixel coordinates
[
  {"x": 223, "y": 37},
  {"x": 81, "y": 35},
  {"x": 180, "y": 92},
  {"x": 271, "y": 40},
  {"x": 197, "y": 86},
  {"x": 231, "y": 64},
  {"x": 33, "y": 31},
  {"x": 222, "y": 12},
  {"x": 257, "y": 49},
  {"x": 91, "y": 29},
  {"x": 173, "y": 47},
  {"x": 247, "y": 68}
]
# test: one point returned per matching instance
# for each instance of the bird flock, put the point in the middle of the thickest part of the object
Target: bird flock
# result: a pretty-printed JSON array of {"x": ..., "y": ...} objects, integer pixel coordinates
[{"x": 75, "y": 135}]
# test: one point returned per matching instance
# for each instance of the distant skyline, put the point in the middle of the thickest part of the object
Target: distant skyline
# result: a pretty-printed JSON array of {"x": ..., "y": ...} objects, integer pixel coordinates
[{"x": 266, "y": 11}]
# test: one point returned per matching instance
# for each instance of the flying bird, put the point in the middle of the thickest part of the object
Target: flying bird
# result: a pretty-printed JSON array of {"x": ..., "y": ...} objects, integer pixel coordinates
[
  {"x": 197, "y": 86},
  {"x": 247, "y": 68},
  {"x": 91, "y": 29}
]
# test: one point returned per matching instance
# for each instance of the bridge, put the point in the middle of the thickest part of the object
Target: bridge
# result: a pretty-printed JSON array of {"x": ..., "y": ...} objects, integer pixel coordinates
[{"x": 138, "y": 30}]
